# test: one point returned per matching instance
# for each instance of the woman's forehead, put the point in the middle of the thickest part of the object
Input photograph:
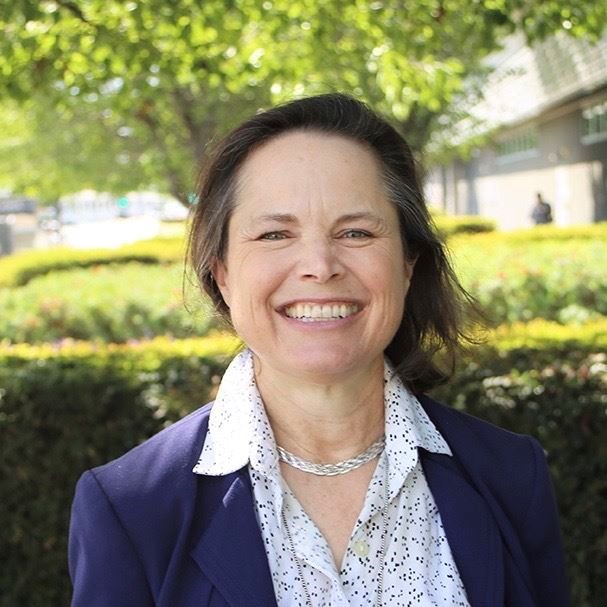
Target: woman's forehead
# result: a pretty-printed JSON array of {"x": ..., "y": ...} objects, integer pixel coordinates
[{"x": 309, "y": 168}]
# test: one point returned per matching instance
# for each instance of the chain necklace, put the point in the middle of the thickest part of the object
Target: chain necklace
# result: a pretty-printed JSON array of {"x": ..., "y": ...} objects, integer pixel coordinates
[
  {"x": 333, "y": 469},
  {"x": 382, "y": 549}
]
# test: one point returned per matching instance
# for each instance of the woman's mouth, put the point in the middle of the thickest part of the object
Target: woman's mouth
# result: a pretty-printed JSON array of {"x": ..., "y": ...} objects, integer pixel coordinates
[{"x": 313, "y": 312}]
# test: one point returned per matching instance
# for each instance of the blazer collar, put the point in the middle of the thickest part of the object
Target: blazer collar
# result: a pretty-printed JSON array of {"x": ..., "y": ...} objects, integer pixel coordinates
[{"x": 230, "y": 551}]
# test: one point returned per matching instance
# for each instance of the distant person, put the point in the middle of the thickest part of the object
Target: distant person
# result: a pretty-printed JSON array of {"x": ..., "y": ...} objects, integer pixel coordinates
[{"x": 542, "y": 211}]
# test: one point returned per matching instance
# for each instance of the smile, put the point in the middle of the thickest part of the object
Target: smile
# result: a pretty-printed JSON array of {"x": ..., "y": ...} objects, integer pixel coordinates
[{"x": 311, "y": 312}]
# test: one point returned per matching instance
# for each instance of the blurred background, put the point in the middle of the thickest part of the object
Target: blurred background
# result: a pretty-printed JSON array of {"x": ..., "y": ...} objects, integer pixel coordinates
[{"x": 108, "y": 108}]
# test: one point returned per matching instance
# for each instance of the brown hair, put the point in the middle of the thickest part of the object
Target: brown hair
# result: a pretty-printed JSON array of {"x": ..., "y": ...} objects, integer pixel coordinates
[{"x": 436, "y": 302}]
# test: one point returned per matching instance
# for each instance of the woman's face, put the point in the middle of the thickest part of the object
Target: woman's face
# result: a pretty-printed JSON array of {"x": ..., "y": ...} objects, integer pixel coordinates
[{"x": 315, "y": 274}]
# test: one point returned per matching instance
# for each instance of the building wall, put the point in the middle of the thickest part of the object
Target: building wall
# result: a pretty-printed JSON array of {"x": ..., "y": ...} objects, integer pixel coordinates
[{"x": 571, "y": 174}]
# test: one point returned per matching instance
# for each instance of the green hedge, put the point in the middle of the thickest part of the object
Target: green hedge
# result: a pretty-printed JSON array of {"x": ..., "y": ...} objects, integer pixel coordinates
[
  {"x": 112, "y": 303},
  {"x": 463, "y": 224},
  {"x": 517, "y": 279},
  {"x": 18, "y": 269},
  {"x": 66, "y": 408},
  {"x": 115, "y": 303},
  {"x": 552, "y": 232}
]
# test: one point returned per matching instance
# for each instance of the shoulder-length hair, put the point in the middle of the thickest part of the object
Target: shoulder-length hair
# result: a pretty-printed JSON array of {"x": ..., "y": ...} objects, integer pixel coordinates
[{"x": 434, "y": 314}]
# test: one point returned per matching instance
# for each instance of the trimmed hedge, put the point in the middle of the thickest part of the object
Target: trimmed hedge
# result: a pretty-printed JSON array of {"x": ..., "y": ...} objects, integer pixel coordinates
[
  {"x": 18, "y": 269},
  {"x": 133, "y": 300},
  {"x": 518, "y": 279},
  {"x": 105, "y": 303},
  {"x": 551, "y": 232},
  {"x": 463, "y": 224},
  {"x": 67, "y": 407}
]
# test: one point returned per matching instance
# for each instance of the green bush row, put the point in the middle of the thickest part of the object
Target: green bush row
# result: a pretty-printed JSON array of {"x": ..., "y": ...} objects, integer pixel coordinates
[
  {"x": 568, "y": 295},
  {"x": 463, "y": 224},
  {"x": 65, "y": 408},
  {"x": 561, "y": 280},
  {"x": 552, "y": 232},
  {"x": 20, "y": 268},
  {"x": 106, "y": 303},
  {"x": 564, "y": 281}
]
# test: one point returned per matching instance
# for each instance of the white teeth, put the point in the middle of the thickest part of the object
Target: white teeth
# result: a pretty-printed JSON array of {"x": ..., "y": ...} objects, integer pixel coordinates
[{"x": 315, "y": 312}]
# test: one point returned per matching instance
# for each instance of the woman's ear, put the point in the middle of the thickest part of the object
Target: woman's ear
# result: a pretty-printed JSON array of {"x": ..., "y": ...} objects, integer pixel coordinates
[
  {"x": 220, "y": 275},
  {"x": 409, "y": 266}
]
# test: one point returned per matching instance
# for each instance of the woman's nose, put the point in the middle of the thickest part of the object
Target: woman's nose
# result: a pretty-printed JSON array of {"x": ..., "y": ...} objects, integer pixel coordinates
[{"x": 319, "y": 261}]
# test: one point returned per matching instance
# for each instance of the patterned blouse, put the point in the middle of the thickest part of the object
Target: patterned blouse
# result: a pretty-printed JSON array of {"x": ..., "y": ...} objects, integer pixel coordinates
[{"x": 419, "y": 569}]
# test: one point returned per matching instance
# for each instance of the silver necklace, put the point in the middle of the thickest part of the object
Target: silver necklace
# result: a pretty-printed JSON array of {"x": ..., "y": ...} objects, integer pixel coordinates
[
  {"x": 333, "y": 469},
  {"x": 382, "y": 549}
]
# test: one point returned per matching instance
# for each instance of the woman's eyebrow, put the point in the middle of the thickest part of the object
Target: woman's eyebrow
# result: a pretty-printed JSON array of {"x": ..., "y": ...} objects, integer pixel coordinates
[
  {"x": 276, "y": 217},
  {"x": 364, "y": 215}
]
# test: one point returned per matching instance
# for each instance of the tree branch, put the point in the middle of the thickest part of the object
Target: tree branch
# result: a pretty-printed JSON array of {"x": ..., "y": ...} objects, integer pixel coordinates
[
  {"x": 74, "y": 9},
  {"x": 198, "y": 132},
  {"x": 176, "y": 187}
]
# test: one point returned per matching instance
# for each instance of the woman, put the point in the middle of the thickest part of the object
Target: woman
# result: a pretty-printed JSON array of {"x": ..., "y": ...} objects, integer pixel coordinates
[{"x": 322, "y": 475}]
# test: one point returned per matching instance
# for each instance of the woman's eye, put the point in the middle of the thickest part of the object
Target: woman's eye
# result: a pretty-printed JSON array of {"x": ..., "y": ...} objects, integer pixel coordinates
[
  {"x": 355, "y": 234},
  {"x": 272, "y": 236}
]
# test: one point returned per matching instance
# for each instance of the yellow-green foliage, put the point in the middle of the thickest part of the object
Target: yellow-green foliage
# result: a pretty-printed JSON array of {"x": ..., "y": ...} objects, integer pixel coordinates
[
  {"x": 552, "y": 232},
  {"x": 517, "y": 278},
  {"x": 20, "y": 268},
  {"x": 542, "y": 334},
  {"x": 111, "y": 303},
  {"x": 70, "y": 406},
  {"x": 529, "y": 236},
  {"x": 534, "y": 335},
  {"x": 222, "y": 344},
  {"x": 448, "y": 226}
]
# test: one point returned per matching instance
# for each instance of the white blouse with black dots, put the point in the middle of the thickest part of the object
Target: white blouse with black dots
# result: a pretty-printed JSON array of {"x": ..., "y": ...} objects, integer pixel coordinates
[{"x": 419, "y": 568}]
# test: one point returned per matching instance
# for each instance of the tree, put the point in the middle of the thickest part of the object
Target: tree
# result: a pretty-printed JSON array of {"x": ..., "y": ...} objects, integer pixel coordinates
[{"x": 142, "y": 87}]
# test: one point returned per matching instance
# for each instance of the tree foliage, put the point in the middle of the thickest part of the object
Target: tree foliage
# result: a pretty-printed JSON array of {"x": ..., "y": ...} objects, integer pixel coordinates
[{"x": 127, "y": 93}]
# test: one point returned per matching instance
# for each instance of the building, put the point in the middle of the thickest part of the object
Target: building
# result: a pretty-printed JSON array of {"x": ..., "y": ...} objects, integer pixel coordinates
[{"x": 546, "y": 110}]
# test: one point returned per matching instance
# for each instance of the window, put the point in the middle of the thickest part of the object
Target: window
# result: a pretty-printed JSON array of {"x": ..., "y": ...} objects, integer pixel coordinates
[
  {"x": 594, "y": 123},
  {"x": 519, "y": 146}
]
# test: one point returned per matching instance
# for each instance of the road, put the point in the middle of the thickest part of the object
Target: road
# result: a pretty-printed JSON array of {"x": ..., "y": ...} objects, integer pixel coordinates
[{"x": 109, "y": 233}]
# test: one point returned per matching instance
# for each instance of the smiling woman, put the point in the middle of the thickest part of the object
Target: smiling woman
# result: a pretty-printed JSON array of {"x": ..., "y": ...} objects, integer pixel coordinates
[
  {"x": 322, "y": 474},
  {"x": 312, "y": 231}
]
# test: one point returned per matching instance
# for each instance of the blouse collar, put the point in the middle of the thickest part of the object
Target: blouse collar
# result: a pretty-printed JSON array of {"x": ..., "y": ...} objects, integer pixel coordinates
[{"x": 240, "y": 434}]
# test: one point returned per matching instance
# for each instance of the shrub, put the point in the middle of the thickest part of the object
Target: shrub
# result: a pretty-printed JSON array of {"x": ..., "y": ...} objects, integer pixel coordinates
[
  {"x": 67, "y": 407},
  {"x": 63, "y": 409},
  {"x": 517, "y": 280},
  {"x": 556, "y": 233},
  {"x": 20, "y": 268},
  {"x": 106, "y": 303},
  {"x": 463, "y": 224},
  {"x": 551, "y": 382}
]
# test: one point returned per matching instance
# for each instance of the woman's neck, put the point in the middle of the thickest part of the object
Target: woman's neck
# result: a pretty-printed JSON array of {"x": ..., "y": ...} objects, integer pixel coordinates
[{"x": 324, "y": 422}]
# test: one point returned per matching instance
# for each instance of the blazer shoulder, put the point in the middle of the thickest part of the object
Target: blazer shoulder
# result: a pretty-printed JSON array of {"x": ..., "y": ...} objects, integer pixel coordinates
[
  {"x": 508, "y": 464},
  {"x": 167, "y": 456},
  {"x": 477, "y": 435}
]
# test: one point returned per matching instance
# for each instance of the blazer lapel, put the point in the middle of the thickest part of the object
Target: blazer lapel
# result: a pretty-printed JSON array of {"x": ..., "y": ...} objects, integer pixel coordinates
[
  {"x": 471, "y": 530},
  {"x": 230, "y": 551}
]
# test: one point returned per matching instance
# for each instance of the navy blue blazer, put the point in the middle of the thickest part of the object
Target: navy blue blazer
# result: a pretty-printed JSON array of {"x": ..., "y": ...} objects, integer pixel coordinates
[{"x": 146, "y": 530}]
